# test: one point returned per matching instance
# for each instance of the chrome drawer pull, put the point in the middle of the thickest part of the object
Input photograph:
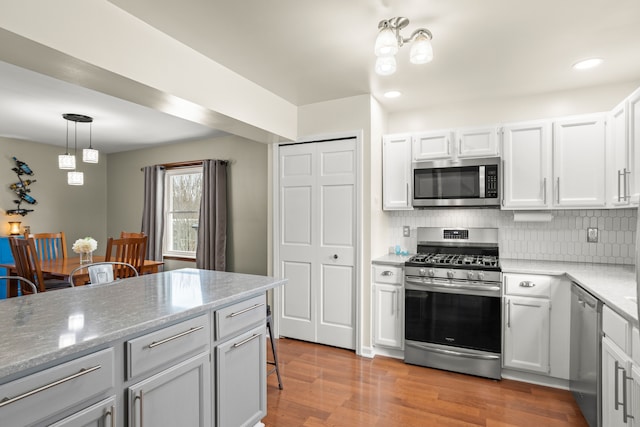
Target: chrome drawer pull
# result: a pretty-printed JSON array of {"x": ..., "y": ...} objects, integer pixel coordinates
[
  {"x": 527, "y": 284},
  {"x": 181, "y": 334},
  {"x": 83, "y": 371},
  {"x": 243, "y": 342},
  {"x": 253, "y": 307},
  {"x": 387, "y": 273},
  {"x": 111, "y": 413}
]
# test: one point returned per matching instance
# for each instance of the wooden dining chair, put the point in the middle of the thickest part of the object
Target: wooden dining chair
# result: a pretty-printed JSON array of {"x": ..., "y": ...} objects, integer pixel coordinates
[
  {"x": 128, "y": 234},
  {"x": 27, "y": 264},
  {"x": 131, "y": 250},
  {"x": 49, "y": 246}
]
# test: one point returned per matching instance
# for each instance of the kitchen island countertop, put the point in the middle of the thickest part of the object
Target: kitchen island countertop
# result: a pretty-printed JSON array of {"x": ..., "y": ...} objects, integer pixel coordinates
[{"x": 43, "y": 328}]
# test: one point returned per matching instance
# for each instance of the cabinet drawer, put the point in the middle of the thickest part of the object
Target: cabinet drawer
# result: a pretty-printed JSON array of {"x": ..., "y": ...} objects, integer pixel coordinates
[
  {"x": 43, "y": 394},
  {"x": 616, "y": 328},
  {"x": 169, "y": 345},
  {"x": 233, "y": 319},
  {"x": 387, "y": 274},
  {"x": 527, "y": 285}
]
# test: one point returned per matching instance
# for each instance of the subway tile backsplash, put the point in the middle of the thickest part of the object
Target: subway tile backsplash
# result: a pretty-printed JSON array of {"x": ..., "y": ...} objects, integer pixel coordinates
[{"x": 564, "y": 238}]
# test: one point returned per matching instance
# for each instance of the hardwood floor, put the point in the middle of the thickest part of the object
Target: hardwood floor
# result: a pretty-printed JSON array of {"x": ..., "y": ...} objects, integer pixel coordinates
[{"x": 326, "y": 386}]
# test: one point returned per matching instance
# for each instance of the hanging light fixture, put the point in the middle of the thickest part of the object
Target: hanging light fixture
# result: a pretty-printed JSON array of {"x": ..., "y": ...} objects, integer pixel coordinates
[
  {"x": 390, "y": 40},
  {"x": 74, "y": 177},
  {"x": 90, "y": 155},
  {"x": 66, "y": 160}
]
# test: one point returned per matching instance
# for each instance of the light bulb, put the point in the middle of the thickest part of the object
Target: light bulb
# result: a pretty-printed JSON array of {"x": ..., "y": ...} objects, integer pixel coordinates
[
  {"x": 385, "y": 65},
  {"x": 386, "y": 43},
  {"x": 421, "y": 50}
]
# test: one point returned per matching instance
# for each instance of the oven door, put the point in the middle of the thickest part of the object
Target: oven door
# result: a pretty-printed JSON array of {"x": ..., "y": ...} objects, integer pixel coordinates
[{"x": 453, "y": 319}]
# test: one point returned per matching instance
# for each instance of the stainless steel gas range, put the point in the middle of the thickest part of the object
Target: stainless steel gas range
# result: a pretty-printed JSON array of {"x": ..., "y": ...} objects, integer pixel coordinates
[{"x": 452, "y": 301}]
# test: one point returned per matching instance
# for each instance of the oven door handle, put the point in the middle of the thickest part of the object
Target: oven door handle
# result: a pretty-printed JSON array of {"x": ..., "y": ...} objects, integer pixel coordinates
[
  {"x": 462, "y": 354},
  {"x": 448, "y": 286}
]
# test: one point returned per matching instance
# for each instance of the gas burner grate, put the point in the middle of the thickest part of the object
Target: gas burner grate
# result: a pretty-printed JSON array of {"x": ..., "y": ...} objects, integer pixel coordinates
[{"x": 455, "y": 260}]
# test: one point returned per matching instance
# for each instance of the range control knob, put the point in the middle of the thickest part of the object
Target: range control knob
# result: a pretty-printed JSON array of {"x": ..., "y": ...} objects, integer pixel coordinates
[
  {"x": 431, "y": 272},
  {"x": 470, "y": 275},
  {"x": 450, "y": 274},
  {"x": 422, "y": 271},
  {"x": 480, "y": 275}
]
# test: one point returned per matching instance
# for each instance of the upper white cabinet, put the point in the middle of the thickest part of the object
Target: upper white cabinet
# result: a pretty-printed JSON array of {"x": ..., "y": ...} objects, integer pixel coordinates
[
  {"x": 432, "y": 145},
  {"x": 633, "y": 117},
  {"x": 396, "y": 172},
  {"x": 477, "y": 142},
  {"x": 455, "y": 143},
  {"x": 620, "y": 150},
  {"x": 579, "y": 153},
  {"x": 527, "y": 165}
]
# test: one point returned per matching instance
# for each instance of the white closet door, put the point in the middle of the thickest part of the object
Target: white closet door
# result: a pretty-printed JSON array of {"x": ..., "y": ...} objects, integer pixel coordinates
[{"x": 317, "y": 241}]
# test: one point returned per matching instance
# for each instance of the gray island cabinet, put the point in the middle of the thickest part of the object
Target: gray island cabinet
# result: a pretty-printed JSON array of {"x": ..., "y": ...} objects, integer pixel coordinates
[{"x": 184, "y": 347}]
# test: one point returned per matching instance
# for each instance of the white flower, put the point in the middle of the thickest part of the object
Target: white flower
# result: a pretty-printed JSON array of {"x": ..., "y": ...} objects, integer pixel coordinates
[{"x": 88, "y": 244}]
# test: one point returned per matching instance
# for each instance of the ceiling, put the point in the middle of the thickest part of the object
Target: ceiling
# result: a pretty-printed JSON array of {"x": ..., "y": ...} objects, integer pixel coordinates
[{"x": 312, "y": 51}]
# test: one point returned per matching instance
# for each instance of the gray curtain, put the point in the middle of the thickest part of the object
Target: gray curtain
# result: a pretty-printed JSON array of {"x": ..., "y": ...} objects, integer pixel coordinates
[
  {"x": 153, "y": 210},
  {"x": 212, "y": 230}
]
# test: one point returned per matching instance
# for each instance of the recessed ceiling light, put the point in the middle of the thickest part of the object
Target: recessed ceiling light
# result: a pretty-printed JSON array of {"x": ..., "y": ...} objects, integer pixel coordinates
[
  {"x": 587, "y": 63},
  {"x": 392, "y": 94}
]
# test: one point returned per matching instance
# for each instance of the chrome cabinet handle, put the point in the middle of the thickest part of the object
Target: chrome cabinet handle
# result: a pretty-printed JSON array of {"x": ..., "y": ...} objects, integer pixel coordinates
[
  {"x": 616, "y": 385},
  {"x": 527, "y": 284},
  {"x": 558, "y": 192},
  {"x": 387, "y": 273},
  {"x": 9, "y": 400},
  {"x": 243, "y": 342},
  {"x": 508, "y": 313},
  {"x": 139, "y": 398},
  {"x": 544, "y": 190},
  {"x": 180, "y": 335},
  {"x": 253, "y": 307},
  {"x": 111, "y": 413},
  {"x": 625, "y": 182},
  {"x": 625, "y": 415}
]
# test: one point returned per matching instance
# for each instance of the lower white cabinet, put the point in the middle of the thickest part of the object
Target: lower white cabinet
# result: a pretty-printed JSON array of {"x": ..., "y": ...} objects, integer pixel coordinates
[
  {"x": 102, "y": 414},
  {"x": 526, "y": 334},
  {"x": 388, "y": 308},
  {"x": 241, "y": 379},
  {"x": 617, "y": 384}
]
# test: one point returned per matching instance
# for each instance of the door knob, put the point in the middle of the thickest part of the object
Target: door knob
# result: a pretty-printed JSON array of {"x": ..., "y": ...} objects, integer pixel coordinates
[{"x": 335, "y": 256}]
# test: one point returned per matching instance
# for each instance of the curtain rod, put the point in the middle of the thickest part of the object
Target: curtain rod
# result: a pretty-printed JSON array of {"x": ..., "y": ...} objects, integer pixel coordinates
[{"x": 176, "y": 165}]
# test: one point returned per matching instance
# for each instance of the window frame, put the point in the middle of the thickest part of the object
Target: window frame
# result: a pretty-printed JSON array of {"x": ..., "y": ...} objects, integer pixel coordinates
[{"x": 167, "y": 235}]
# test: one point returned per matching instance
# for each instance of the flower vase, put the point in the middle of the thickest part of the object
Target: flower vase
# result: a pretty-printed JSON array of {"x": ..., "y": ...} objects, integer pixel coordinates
[{"x": 86, "y": 257}]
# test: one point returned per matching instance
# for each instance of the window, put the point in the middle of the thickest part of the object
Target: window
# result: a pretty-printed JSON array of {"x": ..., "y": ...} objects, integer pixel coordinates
[{"x": 183, "y": 189}]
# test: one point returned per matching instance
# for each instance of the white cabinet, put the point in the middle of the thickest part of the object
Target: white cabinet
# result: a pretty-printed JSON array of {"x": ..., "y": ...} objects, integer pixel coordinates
[
  {"x": 477, "y": 142},
  {"x": 527, "y": 165},
  {"x": 619, "y": 179},
  {"x": 455, "y": 143},
  {"x": 633, "y": 127},
  {"x": 177, "y": 396},
  {"x": 241, "y": 360},
  {"x": 101, "y": 414},
  {"x": 241, "y": 379},
  {"x": 45, "y": 395},
  {"x": 579, "y": 154},
  {"x": 179, "y": 391},
  {"x": 396, "y": 172},
  {"x": 388, "y": 310}
]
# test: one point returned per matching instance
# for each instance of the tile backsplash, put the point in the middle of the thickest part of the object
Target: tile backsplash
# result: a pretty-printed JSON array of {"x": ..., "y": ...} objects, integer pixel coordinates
[{"x": 564, "y": 238}]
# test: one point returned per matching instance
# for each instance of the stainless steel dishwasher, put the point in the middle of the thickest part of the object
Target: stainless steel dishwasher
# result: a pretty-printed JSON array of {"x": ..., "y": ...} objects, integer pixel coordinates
[{"x": 586, "y": 331}]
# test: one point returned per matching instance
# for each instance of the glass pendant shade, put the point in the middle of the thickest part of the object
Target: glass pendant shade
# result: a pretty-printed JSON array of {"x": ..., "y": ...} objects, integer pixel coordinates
[
  {"x": 67, "y": 161},
  {"x": 385, "y": 65},
  {"x": 421, "y": 50},
  {"x": 386, "y": 43},
  {"x": 75, "y": 178},
  {"x": 89, "y": 155}
]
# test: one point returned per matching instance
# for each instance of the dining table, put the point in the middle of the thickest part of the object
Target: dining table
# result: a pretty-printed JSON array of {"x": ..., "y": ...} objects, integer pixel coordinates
[{"x": 61, "y": 268}]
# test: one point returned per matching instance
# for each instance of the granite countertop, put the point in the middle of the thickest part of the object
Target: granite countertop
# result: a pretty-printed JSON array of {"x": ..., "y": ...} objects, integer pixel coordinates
[
  {"x": 612, "y": 284},
  {"x": 41, "y": 328}
]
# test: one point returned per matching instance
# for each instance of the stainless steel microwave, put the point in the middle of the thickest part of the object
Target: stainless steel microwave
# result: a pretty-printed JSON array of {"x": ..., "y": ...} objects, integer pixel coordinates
[{"x": 465, "y": 182}]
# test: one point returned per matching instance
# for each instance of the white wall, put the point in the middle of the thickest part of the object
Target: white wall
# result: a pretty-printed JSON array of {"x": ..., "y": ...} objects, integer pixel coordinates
[
  {"x": 247, "y": 191},
  {"x": 79, "y": 211}
]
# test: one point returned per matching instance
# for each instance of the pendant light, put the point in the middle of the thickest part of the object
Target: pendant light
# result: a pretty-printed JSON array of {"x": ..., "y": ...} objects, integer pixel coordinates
[
  {"x": 66, "y": 160},
  {"x": 75, "y": 177},
  {"x": 90, "y": 155}
]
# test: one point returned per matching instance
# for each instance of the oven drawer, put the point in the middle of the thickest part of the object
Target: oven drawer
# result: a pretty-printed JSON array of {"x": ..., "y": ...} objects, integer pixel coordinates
[
  {"x": 527, "y": 285},
  {"x": 387, "y": 274}
]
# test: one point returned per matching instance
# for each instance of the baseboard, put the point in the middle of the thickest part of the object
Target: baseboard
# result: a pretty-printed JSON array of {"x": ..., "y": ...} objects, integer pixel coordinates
[
  {"x": 529, "y": 377},
  {"x": 388, "y": 352}
]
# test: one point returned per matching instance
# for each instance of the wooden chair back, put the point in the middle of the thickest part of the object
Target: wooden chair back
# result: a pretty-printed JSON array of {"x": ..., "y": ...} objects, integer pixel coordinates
[
  {"x": 27, "y": 262},
  {"x": 128, "y": 234},
  {"x": 49, "y": 245},
  {"x": 131, "y": 250}
]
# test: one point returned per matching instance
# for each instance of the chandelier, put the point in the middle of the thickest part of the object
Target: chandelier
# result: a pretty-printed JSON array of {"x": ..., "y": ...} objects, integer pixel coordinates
[
  {"x": 389, "y": 41},
  {"x": 67, "y": 161}
]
